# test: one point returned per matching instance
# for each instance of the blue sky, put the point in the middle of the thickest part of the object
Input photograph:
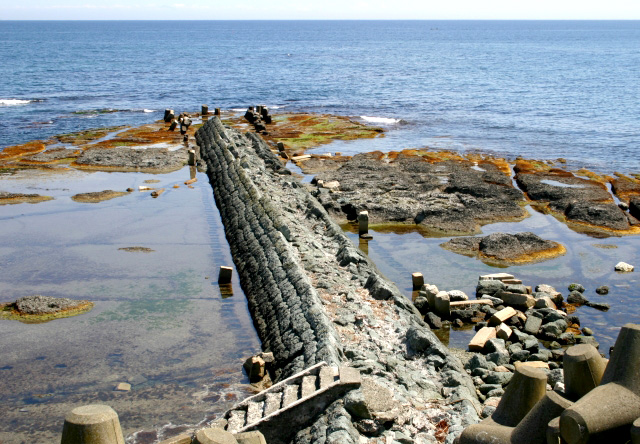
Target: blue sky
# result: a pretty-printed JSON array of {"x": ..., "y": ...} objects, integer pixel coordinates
[{"x": 325, "y": 9}]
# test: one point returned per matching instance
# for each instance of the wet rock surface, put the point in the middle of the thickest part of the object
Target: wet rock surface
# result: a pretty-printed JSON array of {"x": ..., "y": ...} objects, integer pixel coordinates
[
  {"x": 7, "y": 198},
  {"x": 507, "y": 248},
  {"x": 128, "y": 159},
  {"x": 315, "y": 297},
  {"x": 37, "y": 305},
  {"x": 579, "y": 200},
  {"x": 449, "y": 196},
  {"x": 97, "y": 196}
]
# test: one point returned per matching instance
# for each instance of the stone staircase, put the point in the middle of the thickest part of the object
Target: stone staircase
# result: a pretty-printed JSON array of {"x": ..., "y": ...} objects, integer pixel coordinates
[{"x": 285, "y": 407}]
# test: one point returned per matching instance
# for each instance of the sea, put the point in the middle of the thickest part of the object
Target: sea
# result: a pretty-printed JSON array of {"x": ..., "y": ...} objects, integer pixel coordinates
[{"x": 538, "y": 89}]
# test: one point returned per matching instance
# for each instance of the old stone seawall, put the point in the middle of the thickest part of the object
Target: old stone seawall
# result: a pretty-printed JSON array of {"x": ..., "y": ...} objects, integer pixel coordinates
[{"x": 315, "y": 297}]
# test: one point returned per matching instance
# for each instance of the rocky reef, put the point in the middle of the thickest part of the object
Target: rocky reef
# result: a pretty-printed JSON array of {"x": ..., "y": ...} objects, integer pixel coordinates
[{"x": 441, "y": 194}]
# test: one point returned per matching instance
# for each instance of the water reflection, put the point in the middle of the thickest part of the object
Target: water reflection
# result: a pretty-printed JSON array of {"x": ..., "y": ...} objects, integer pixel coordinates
[
  {"x": 588, "y": 261},
  {"x": 158, "y": 323}
]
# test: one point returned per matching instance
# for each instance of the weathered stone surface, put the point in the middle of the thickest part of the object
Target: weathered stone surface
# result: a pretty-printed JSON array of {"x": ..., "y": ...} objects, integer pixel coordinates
[
  {"x": 507, "y": 248},
  {"x": 467, "y": 198},
  {"x": 92, "y": 424}
]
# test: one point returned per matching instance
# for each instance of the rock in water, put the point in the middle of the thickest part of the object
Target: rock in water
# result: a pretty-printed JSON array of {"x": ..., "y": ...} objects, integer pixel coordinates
[
  {"x": 38, "y": 304},
  {"x": 507, "y": 248},
  {"x": 624, "y": 267}
]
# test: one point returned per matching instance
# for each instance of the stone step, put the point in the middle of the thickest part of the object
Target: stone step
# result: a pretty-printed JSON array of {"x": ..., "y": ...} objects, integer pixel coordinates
[
  {"x": 282, "y": 407},
  {"x": 272, "y": 403},
  {"x": 254, "y": 411},
  {"x": 308, "y": 385},
  {"x": 290, "y": 395}
]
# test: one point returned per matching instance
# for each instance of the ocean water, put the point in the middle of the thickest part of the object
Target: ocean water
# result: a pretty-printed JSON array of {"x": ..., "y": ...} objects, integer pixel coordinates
[{"x": 543, "y": 89}]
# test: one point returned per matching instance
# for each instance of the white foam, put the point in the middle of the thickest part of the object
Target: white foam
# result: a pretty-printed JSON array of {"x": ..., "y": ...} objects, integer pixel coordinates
[
  {"x": 148, "y": 110},
  {"x": 13, "y": 102},
  {"x": 384, "y": 120},
  {"x": 238, "y": 110}
]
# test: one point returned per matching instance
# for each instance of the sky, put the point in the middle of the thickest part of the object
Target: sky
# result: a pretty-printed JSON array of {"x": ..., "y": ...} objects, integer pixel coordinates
[{"x": 319, "y": 10}]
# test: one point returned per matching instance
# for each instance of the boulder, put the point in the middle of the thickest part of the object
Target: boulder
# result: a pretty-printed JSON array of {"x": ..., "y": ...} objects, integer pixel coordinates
[{"x": 624, "y": 267}]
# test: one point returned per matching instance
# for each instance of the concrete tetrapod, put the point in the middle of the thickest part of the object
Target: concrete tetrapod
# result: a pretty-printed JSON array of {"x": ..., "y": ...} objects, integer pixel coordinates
[
  {"x": 606, "y": 413},
  {"x": 583, "y": 370},
  {"x": 519, "y": 404},
  {"x": 92, "y": 424}
]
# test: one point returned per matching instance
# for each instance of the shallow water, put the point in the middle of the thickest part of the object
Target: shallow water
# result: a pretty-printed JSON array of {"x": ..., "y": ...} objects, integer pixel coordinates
[
  {"x": 588, "y": 261},
  {"x": 160, "y": 320}
]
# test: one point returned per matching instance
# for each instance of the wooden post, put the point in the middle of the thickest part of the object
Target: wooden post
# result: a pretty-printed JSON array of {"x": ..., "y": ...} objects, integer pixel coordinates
[{"x": 205, "y": 110}]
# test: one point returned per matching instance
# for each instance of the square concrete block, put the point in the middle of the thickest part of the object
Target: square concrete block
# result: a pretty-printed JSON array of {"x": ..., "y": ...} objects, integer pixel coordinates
[
  {"x": 349, "y": 375},
  {"x": 484, "y": 334},
  {"x": 417, "y": 279},
  {"x": 503, "y": 331},
  {"x": 225, "y": 275},
  {"x": 502, "y": 315}
]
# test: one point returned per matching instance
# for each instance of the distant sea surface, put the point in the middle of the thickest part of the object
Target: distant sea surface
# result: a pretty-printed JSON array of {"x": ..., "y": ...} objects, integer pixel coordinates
[{"x": 540, "y": 89}]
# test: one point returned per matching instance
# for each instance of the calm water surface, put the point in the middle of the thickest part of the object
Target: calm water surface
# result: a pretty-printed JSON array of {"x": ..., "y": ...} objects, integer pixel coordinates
[
  {"x": 160, "y": 321},
  {"x": 543, "y": 89}
]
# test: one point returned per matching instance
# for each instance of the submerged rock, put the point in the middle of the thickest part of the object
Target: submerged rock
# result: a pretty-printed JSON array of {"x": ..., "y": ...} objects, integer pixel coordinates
[
  {"x": 97, "y": 196},
  {"x": 507, "y": 248},
  {"x": 43, "y": 308}
]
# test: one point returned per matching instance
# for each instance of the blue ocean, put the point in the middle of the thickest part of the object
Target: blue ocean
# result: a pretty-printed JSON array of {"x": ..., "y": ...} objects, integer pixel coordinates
[{"x": 538, "y": 89}]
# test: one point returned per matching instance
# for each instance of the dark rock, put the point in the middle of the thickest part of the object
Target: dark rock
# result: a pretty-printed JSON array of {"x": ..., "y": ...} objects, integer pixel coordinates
[
  {"x": 533, "y": 325},
  {"x": 599, "y": 306},
  {"x": 486, "y": 388},
  {"x": 369, "y": 427},
  {"x": 554, "y": 329},
  {"x": 495, "y": 345},
  {"x": 503, "y": 247},
  {"x": 40, "y": 305},
  {"x": 476, "y": 361},
  {"x": 418, "y": 339},
  {"x": 433, "y": 320},
  {"x": 521, "y": 355},
  {"x": 634, "y": 206},
  {"x": 602, "y": 290},
  {"x": 606, "y": 215},
  {"x": 457, "y": 323},
  {"x": 498, "y": 358},
  {"x": 577, "y": 298},
  {"x": 501, "y": 378},
  {"x": 567, "y": 339},
  {"x": 581, "y": 339},
  {"x": 576, "y": 287},
  {"x": 487, "y": 287},
  {"x": 421, "y": 304}
]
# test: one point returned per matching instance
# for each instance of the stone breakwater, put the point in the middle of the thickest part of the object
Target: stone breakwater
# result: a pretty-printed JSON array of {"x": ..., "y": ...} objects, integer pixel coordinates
[{"x": 315, "y": 297}]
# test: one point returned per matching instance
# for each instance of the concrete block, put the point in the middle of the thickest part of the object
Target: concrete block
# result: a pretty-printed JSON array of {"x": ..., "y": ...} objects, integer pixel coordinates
[
  {"x": 496, "y": 276},
  {"x": 583, "y": 370},
  {"x": 607, "y": 412},
  {"x": 526, "y": 388},
  {"x": 502, "y": 315},
  {"x": 224, "y": 277},
  {"x": 327, "y": 376},
  {"x": 214, "y": 436},
  {"x": 349, "y": 375},
  {"x": 545, "y": 302},
  {"x": 480, "y": 339},
  {"x": 363, "y": 222},
  {"x": 417, "y": 279},
  {"x": 442, "y": 304},
  {"x": 503, "y": 331},
  {"x": 250, "y": 438},
  {"x": 92, "y": 424},
  {"x": 518, "y": 300},
  {"x": 123, "y": 387}
]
